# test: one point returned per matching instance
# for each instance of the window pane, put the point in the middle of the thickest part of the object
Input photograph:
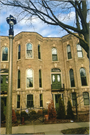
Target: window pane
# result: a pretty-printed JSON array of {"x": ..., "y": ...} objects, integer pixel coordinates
[
  {"x": 29, "y": 51},
  {"x": 53, "y": 78},
  {"x": 39, "y": 54},
  {"x": 72, "y": 78},
  {"x": 41, "y": 100},
  {"x": 4, "y": 54},
  {"x": 79, "y": 47},
  {"x": 29, "y": 78},
  {"x": 68, "y": 48},
  {"x": 19, "y": 51},
  {"x": 29, "y": 100},
  {"x": 54, "y": 57},
  {"x": 58, "y": 78},
  {"x": 54, "y": 51},
  {"x": 83, "y": 76},
  {"x": 80, "y": 54},
  {"x": 18, "y": 101},
  {"x": 86, "y": 98}
]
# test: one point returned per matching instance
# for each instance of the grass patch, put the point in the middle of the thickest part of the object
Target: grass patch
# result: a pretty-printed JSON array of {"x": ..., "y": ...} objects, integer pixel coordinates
[{"x": 84, "y": 130}]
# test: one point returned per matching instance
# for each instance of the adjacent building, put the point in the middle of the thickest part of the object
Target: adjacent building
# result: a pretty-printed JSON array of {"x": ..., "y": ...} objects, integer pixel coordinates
[{"x": 45, "y": 68}]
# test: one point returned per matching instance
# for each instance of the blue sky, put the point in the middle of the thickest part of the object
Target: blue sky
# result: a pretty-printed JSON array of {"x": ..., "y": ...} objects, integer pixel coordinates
[{"x": 36, "y": 25}]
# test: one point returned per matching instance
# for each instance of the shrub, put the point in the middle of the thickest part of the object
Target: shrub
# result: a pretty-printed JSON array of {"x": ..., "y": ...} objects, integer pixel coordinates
[
  {"x": 24, "y": 114},
  {"x": 2, "y": 111},
  {"x": 45, "y": 111},
  {"x": 33, "y": 115},
  {"x": 18, "y": 115},
  {"x": 14, "y": 118},
  {"x": 61, "y": 109},
  {"x": 70, "y": 114},
  {"x": 51, "y": 110}
]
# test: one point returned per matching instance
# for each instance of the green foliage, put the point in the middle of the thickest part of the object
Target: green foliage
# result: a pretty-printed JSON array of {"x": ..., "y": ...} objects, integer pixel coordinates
[
  {"x": 2, "y": 111},
  {"x": 70, "y": 114},
  {"x": 18, "y": 115},
  {"x": 24, "y": 114},
  {"x": 51, "y": 110},
  {"x": 33, "y": 115},
  {"x": 61, "y": 109}
]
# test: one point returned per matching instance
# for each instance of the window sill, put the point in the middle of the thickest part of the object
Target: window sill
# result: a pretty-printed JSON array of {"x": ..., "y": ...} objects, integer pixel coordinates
[
  {"x": 69, "y": 60},
  {"x": 4, "y": 61},
  {"x": 55, "y": 61}
]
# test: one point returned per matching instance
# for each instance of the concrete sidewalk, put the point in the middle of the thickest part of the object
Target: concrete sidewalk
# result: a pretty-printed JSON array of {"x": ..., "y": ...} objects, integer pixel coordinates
[{"x": 46, "y": 128}]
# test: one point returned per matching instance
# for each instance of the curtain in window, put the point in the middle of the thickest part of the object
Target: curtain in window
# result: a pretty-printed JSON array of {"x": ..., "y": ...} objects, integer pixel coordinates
[
  {"x": 29, "y": 74},
  {"x": 79, "y": 51},
  {"x": 29, "y": 50},
  {"x": 54, "y": 54},
  {"x": 4, "y": 54},
  {"x": 69, "y": 52},
  {"x": 83, "y": 77}
]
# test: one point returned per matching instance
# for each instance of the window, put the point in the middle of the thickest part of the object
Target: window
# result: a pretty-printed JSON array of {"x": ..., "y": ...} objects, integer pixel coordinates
[
  {"x": 83, "y": 77},
  {"x": 41, "y": 100},
  {"x": 1, "y": 78},
  {"x": 72, "y": 78},
  {"x": 69, "y": 52},
  {"x": 18, "y": 78},
  {"x": 86, "y": 98},
  {"x": 19, "y": 51},
  {"x": 29, "y": 75},
  {"x": 79, "y": 51},
  {"x": 4, "y": 54},
  {"x": 18, "y": 101},
  {"x": 54, "y": 54},
  {"x": 30, "y": 101},
  {"x": 39, "y": 52},
  {"x": 28, "y": 50},
  {"x": 74, "y": 101},
  {"x": 40, "y": 79}
]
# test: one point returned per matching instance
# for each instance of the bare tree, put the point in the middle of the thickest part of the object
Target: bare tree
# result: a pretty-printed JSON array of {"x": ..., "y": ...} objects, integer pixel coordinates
[{"x": 50, "y": 11}]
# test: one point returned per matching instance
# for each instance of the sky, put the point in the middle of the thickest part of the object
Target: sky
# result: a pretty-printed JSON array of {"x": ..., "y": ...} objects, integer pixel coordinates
[{"x": 36, "y": 26}]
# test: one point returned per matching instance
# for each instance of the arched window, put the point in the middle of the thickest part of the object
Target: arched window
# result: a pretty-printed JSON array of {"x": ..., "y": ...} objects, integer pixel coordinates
[
  {"x": 30, "y": 101},
  {"x": 39, "y": 52},
  {"x": 86, "y": 98},
  {"x": 40, "y": 78},
  {"x": 69, "y": 52},
  {"x": 29, "y": 50},
  {"x": 54, "y": 54},
  {"x": 29, "y": 78},
  {"x": 72, "y": 78},
  {"x": 4, "y": 54},
  {"x": 79, "y": 51},
  {"x": 83, "y": 77},
  {"x": 19, "y": 51}
]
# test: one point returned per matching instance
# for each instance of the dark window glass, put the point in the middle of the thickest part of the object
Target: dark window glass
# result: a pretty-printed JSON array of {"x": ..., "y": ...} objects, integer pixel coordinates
[
  {"x": 86, "y": 98},
  {"x": 83, "y": 77},
  {"x": 72, "y": 78},
  {"x": 18, "y": 78},
  {"x": 79, "y": 51},
  {"x": 74, "y": 101},
  {"x": 39, "y": 53},
  {"x": 69, "y": 52},
  {"x": 54, "y": 54},
  {"x": 19, "y": 51},
  {"x": 41, "y": 100},
  {"x": 4, "y": 54},
  {"x": 30, "y": 101},
  {"x": 1, "y": 78},
  {"x": 18, "y": 101},
  {"x": 40, "y": 79}
]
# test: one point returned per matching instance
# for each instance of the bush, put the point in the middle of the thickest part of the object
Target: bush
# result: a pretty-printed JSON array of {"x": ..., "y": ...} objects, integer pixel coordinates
[
  {"x": 51, "y": 110},
  {"x": 24, "y": 114},
  {"x": 45, "y": 111},
  {"x": 18, "y": 115},
  {"x": 61, "y": 109},
  {"x": 70, "y": 114},
  {"x": 2, "y": 111},
  {"x": 14, "y": 118},
  {"x": 33, "y": 115}
]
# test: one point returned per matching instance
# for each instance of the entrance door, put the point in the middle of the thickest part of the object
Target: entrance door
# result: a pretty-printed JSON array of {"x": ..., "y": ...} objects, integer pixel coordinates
[
  {"x": 56, "y": 81},
  {"x": 4, "y": 82}
]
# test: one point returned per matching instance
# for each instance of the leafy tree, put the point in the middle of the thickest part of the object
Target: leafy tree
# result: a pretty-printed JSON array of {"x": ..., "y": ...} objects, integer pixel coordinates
[
  {"x": 70, "y": 114},
  {"x": 61, "y": 109},
  {"x": 53, "y": 13},
  {"x": 2, "y": 111}
]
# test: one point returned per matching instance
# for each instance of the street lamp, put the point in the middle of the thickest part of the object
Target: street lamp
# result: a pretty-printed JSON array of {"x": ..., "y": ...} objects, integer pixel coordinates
[{"x": 11, "y": 21}]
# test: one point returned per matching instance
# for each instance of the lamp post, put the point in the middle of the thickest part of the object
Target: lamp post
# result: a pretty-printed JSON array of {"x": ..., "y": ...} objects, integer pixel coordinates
[{"x": 11, "y": 21}]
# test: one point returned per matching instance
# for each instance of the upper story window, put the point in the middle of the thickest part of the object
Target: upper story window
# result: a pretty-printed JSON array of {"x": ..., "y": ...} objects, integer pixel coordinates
[
  {"x": 18, "y": 79},
  {"x": 19, "y": 51},
  {"x": 79, "y": 51},
  {"x": 69, "y": 52},
  {"x": 40, "y": 78},
  {"x": 54, "y": 54},
  {"x": 72, "y": 78},
  {"x": 41, "y": 100},
  {"x": 29, "y": 50},
  {"x": 18, "y": 101},
  {"x": 39, "y": 52},
  {"x": 83, "y": 77},
  {"x": 4, "y": 54},
  {"x": 29, "y": 78}
]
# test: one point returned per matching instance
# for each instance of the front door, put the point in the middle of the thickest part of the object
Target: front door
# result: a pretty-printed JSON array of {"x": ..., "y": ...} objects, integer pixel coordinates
[
  {"x": 4, "y": 82},
  {"x": 56, "y": 81}
]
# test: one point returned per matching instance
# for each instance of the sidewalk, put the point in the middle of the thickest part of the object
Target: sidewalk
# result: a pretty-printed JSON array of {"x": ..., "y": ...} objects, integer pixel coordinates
[{"x": 46, "y": 128}]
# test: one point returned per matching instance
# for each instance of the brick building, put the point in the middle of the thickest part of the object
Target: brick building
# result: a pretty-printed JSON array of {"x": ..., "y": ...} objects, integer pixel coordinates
[{"x": 45, "y": 68}]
